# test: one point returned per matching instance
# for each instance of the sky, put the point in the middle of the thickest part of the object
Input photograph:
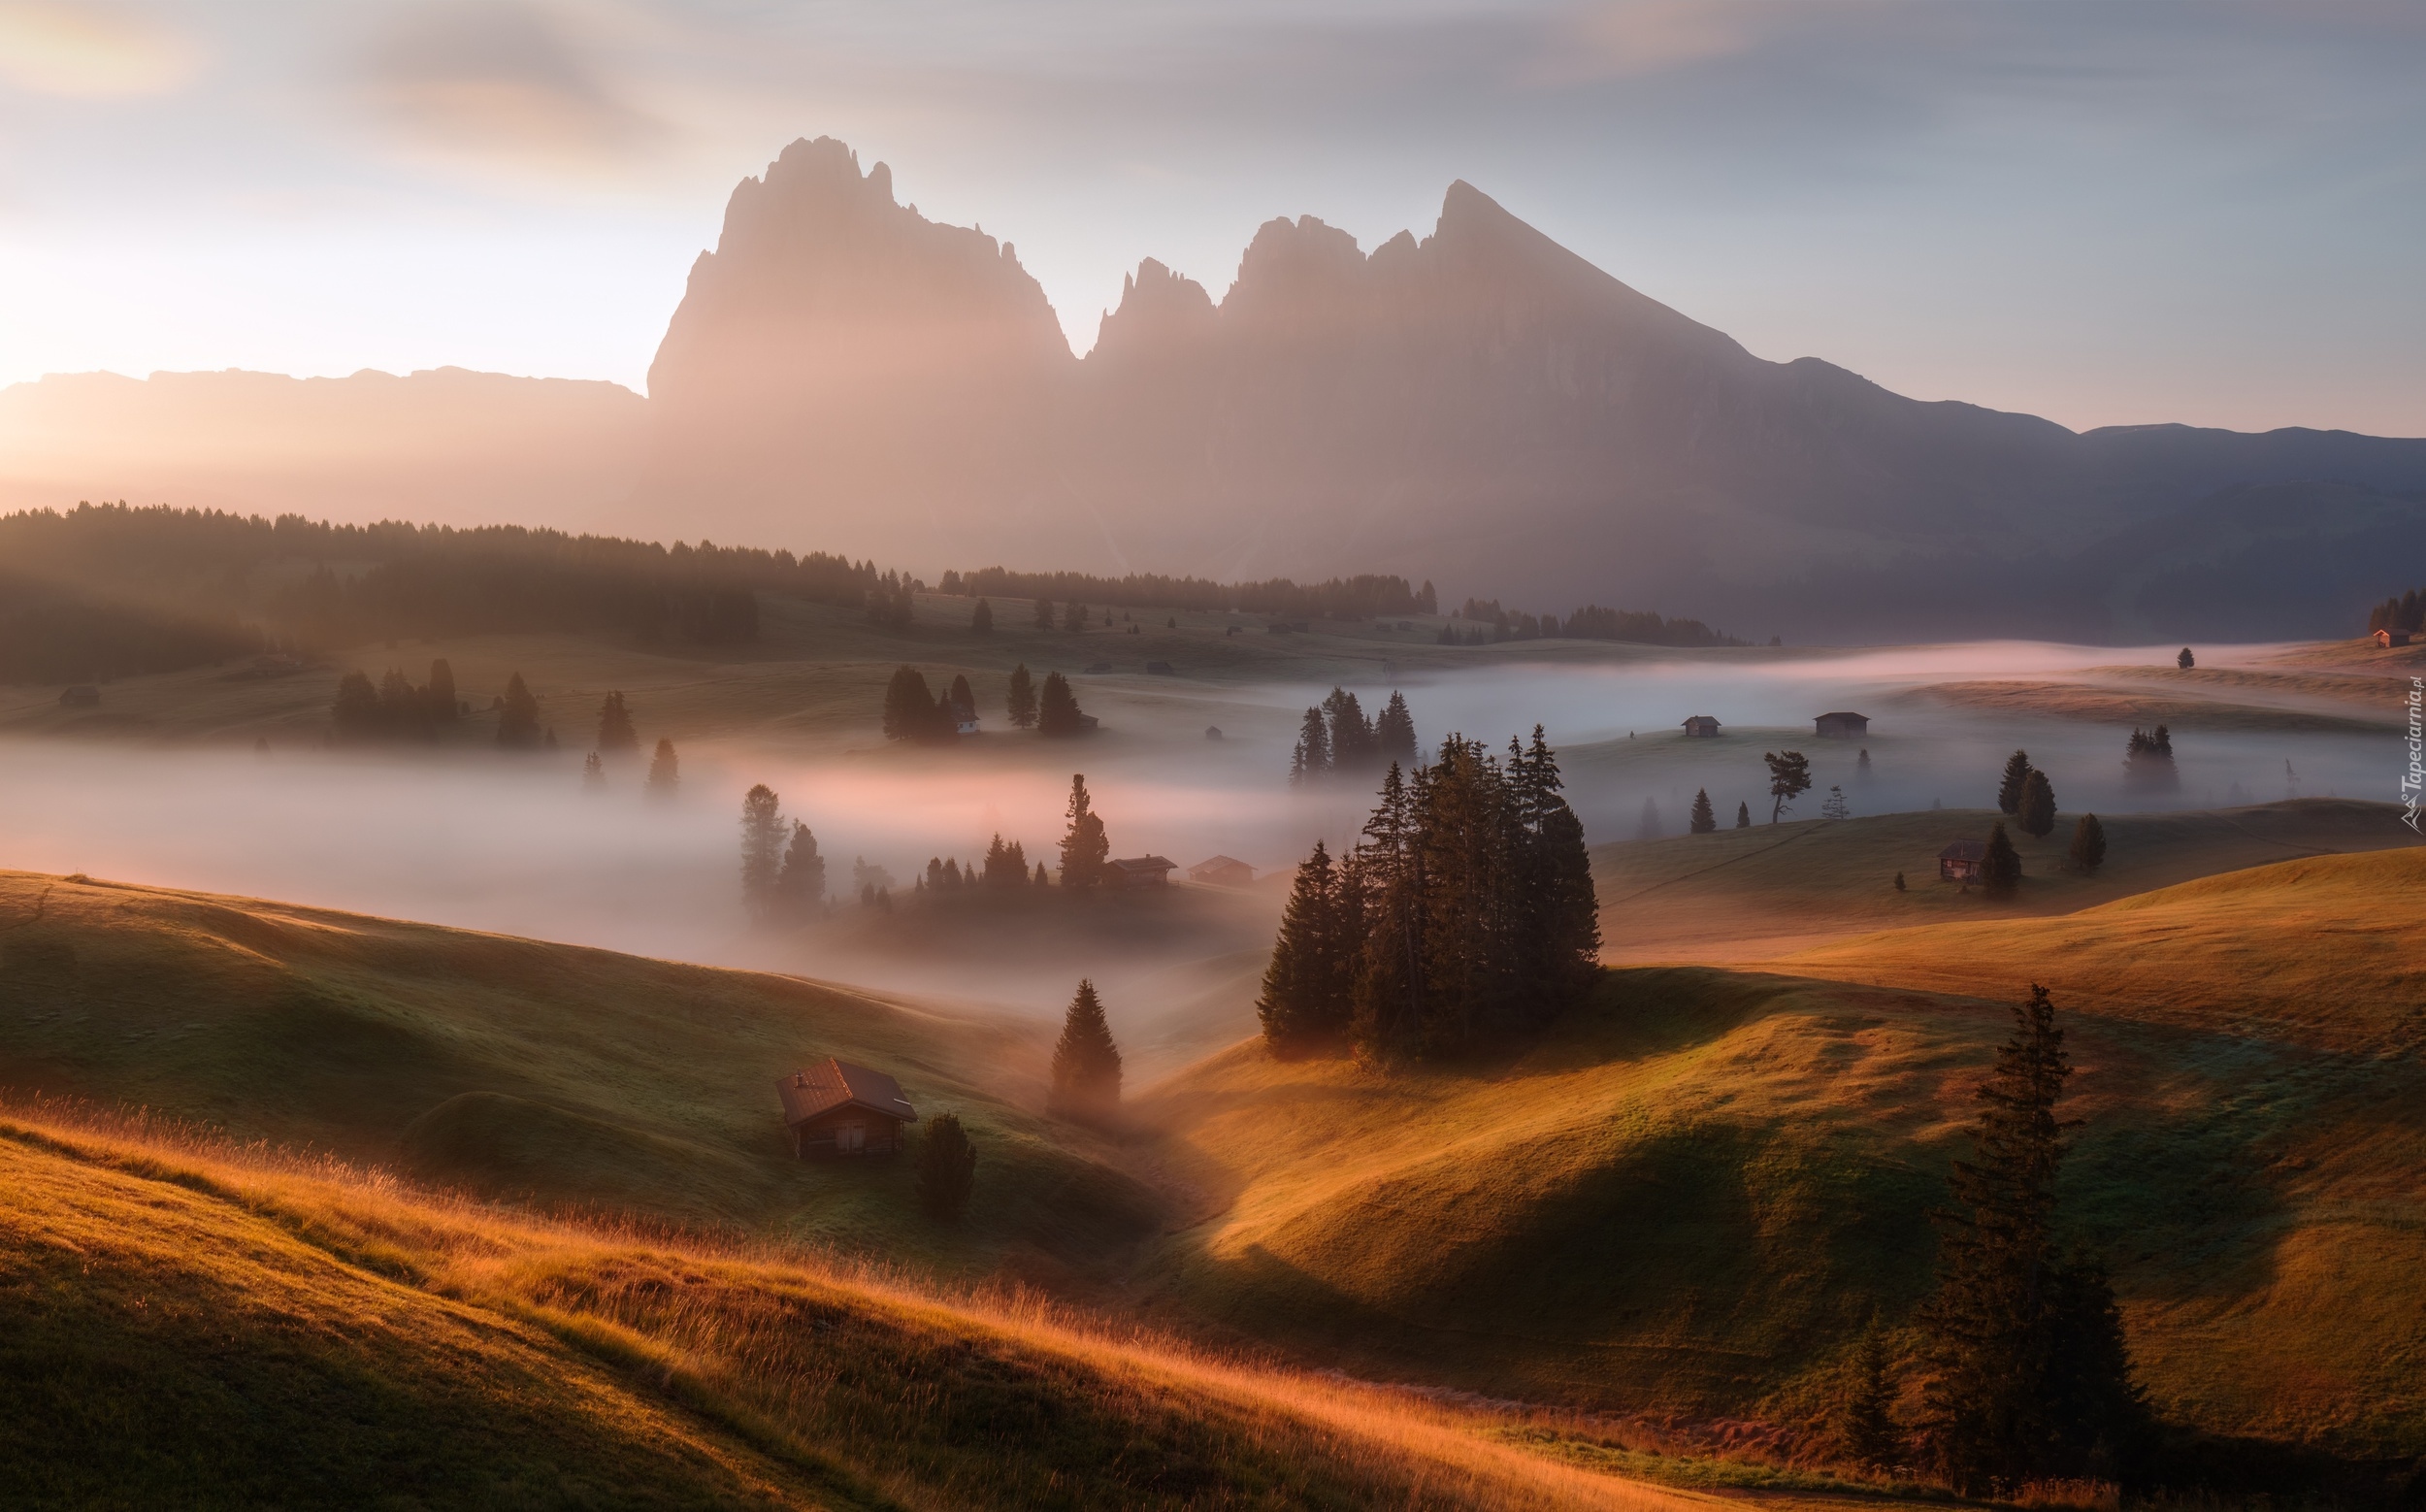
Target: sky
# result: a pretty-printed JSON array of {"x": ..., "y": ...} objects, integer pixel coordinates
[{"x": 2105, "y": 213}]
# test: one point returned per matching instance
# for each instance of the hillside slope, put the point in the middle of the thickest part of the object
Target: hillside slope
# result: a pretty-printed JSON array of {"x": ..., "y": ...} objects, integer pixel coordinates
[
  {"x": 193, "y": 1325},
  {"x": 1752, "y": 893},
  {"x": 515, "y": 1068}
]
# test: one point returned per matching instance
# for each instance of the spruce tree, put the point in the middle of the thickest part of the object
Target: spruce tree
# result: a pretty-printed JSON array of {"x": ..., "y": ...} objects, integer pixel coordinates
[
  {"x": 1865, "y": 1426},
  {"x": 1789, "y": 777},
  {"x": 1086, "y": 1063},
  {"x": 1022, "y": 700},
  {"x": 2029, "y": 1375},
  {"x": 1057, "y": 711},
  {"x": 1393, "y": 732},
  {"x": 947, "y": 1166},
  {"x": 1743, "y": 816},
  {"x": 614, "y": 727},
  {"x": 2000, "y": 871},
  {"x": 1704, "y": 820},
  {"x": 1351, "y": 734},
  {"x": 1562, "y": 945},
  {"x": 981, "y": 618},
  {"x": 2185, "y": 660},
  {"x": 664, "y": 770},
  {"x": 2017, "y": 777},
  {"x": 1084, "y": 848},
  {"x": 2088, "y": 845},
  {"x": 762, "y": 850},
  {"x": 802, "y": 886},
  {"x": 909, "y": 709},
  {"x": 963, "y": 698},
  {"x": 1388, "y": 875},
  {"x": 2036, "y": 814},
  {"x": 1043, "y": 619},
  {"x": 1312, "y": 756},
  {"x": 1305, "y": 1002},
  {"x": 518, "y": 722}
]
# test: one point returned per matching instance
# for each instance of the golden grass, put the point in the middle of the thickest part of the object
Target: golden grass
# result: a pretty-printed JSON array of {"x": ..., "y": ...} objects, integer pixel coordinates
[
  {"x": 737, "y": 1373},
  {"x": 2109, "y": 704}
]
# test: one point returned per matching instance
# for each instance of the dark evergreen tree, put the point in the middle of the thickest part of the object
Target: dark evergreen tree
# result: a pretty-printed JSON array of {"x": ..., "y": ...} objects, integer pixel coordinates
[
  {"x": 2148, "y": 762},
  {"x": 1085, "y": 848},
  {"x": 614, "y": 727},
  {"x": 1393, "y": 732},
  {"x": 947, "y": 1166},
  {"x": 2185, "y": 660},
  {"x": 1022, "y": 700},
  {"x": 1386, "y": 877},
  {"x": 1307, "y": 989},
  {"x": 1057, "y": 711},
  {"x": 911, "y": 713},
  {"x": 762, "y": 851},
  {"x": 518, "y": 721},
  {"x": 1743, "y": 816},
  {"x": 664, "y": 770},
  {"x": 2029, "y": 1375},
  {"x": 1312, "y": 756},
  {"x": 1704, "y": 820},
  {"x": 440, "y": 698},
  {"x": 1560, "y": 938},
  {"x": 1086, "y": 1063},
  {"x": 2016, "y": 775},
  {"x": 1861, "y": 765},
  {"x": 981, "y": 618},
  {"x": 593, "y": 771},
  {"x": 2000, "y": 871},
  {"x": 2088, "y": 845},
  {"x": 963, "y": 700},
  {"x": 1352, "y": 739},
  {"x": 1866, "y": 1433},
  {"x": 800, "y": 889},
  {"x": 2036, "y": 814},
  {"x": 1040, "y": 879},
  {"x": 1789, "y": 777}
]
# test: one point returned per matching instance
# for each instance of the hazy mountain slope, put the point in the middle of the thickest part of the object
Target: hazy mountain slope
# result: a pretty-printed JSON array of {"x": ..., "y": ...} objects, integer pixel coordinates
[{"x": 445, "y": 446}]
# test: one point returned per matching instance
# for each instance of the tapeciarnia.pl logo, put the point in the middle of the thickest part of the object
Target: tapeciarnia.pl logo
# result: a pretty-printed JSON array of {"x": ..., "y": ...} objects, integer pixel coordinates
[{"x": 2412, "y": 781}]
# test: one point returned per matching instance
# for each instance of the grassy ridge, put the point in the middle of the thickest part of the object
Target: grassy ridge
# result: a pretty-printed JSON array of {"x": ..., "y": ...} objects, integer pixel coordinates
[
  {"x": 1738, "y": 894},
  {"x": 510, "y": 1067},
  {"x": 199, "y": 1327},
  {"x": 1691, "y": 1195}
]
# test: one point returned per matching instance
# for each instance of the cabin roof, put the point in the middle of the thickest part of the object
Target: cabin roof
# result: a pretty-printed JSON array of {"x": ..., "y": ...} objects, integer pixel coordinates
[
  {"x": 1965, "y": 850},
  {"x": 1213, "y": 862},
  {"x": 1145, "y": 863},
  {"x": 1842, "y": 713},
  {"x": 829, "y": 1084}
]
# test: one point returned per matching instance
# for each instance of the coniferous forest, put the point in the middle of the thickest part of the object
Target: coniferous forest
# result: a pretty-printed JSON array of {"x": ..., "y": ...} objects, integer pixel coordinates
[{"x": 1464, "y": 919}]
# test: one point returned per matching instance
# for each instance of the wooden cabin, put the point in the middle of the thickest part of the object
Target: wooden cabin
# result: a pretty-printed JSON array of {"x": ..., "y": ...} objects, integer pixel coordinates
[
  {"x": 835, "y": 1108},
  {"x": 1142, "y": 871},
  {"x": 1222, "y": 871},
  {"x": 1841, "y": 726},
  {"x": 1702, "y": 727},
  {"x": 1961, "y": 862},
  {"x": 2389, "y": 639}
]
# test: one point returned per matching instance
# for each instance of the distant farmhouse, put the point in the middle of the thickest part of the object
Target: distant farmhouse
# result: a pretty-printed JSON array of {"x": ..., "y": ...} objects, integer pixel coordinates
[
  {"x": 1961, "y": 861},
  {"x": 1702, "y": 727},
  {"x": 836, "y": 1108},
  {"x": 1222, "y": 871},
  {"x": 2392, "y": 638},
  {"x": 1842, "y": 726},
  {"x": 1143, "y": 871}
]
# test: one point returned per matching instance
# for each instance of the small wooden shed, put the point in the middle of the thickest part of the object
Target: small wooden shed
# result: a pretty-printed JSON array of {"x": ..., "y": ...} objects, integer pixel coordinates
[
  {"x": 1143, "y": 871},
  {"x": 1961, "y": 861},
  {"x": 2392, "y": 638},
  {"x": 1702, "y": 727},
  {"x": 1222, "y": 871},
  {"x": 836, "y": 1108},
  {"x": 1841, "y": 726}
]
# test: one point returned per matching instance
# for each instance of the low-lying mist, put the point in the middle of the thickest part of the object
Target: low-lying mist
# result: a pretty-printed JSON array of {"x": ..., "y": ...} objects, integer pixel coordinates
[{"x": 521, "y": 845}]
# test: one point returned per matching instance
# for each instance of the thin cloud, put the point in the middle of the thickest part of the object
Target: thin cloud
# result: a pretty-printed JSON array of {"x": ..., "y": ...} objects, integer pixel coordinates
[
  {"x": 91, "y": 51},
  {"x": 506, "y": 85}
]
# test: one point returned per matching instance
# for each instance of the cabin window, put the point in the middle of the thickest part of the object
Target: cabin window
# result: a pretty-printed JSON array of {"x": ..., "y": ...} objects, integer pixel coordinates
[{"x": 850, "y": 1138}]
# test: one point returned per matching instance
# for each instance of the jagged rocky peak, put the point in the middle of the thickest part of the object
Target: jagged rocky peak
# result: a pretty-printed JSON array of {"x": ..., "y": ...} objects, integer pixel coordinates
[{"x": 1157, "y": 306}]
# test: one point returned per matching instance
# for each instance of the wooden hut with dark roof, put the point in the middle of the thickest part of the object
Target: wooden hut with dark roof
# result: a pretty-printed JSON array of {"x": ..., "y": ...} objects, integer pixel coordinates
[{"x": 836, "y": 1108}]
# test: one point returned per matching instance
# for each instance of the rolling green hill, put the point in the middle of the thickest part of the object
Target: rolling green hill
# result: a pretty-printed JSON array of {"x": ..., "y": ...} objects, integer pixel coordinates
[
  {"x": 1750, "y": 894},
  {"x": 510, "y": 1068},
  {"x": 1692, "y": 1194}
]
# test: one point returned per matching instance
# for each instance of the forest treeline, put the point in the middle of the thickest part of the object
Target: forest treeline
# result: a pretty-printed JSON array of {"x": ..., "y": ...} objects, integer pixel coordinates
[
  {"x": 1368, "y": 596},
  {"x": 105, "y": 590},
  {"x": 1487, "y": 621}
]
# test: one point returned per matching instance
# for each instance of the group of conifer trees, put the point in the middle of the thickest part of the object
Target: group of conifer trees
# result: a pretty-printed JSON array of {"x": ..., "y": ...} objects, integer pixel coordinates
[
  {"x": 1004, "y": 871},
  {"x": 2026, "y": 795},
  {"x": 395, "y": 710},
  {"x": 913, "y": 713},
  {"x": 2024, "y": 1374},
  {"x": 2149, "y": 760},
  {"x": 783, "y": 878},
  {"x": 2401, "y": 612},
  {"x": 1463, "y": 917},
  {"x": 617, "y": 736},
  {"x": 1336, "y": 736}
]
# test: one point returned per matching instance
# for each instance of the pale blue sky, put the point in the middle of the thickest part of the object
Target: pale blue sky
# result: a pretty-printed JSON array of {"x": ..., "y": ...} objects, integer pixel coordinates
[{"x": 2104, "y": 213}]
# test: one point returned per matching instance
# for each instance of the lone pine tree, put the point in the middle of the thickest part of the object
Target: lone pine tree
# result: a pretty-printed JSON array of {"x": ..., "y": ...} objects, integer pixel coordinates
[
  {"x": 2088, "y": 845},
  {"x": 665, "y": 769},
  {"x": 1312, "y": 756},
  {"x": 1789, "y": 779},
  {"x": 762, "y": 850},
  {"x": 800, "y": 887},
  {"x": 1703, "y": 820},
  {"x": 2036, "y": 812},
  {"x": 1057, "y": 711},
  {"x": 1085, "y": 848},
  {"x": 614, "y": 727},
  {"x": 2000, "y": 871},
  {"x": 2016, "y": 775},
  {"x": 1022, "y": 706},
  {"x": 518, "y": 722},
  {"x": 2029, "y": 1377},
  {"x": 1086, "y": 1063},
  {"x": 947, "y": 1166},
  {"x": 981, "y": 618},
  {"x": 1743, "y": 816}
]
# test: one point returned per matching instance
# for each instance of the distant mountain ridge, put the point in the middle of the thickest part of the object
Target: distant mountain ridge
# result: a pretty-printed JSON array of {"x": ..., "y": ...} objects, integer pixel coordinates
[{"x": 1481, "y": 407}]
